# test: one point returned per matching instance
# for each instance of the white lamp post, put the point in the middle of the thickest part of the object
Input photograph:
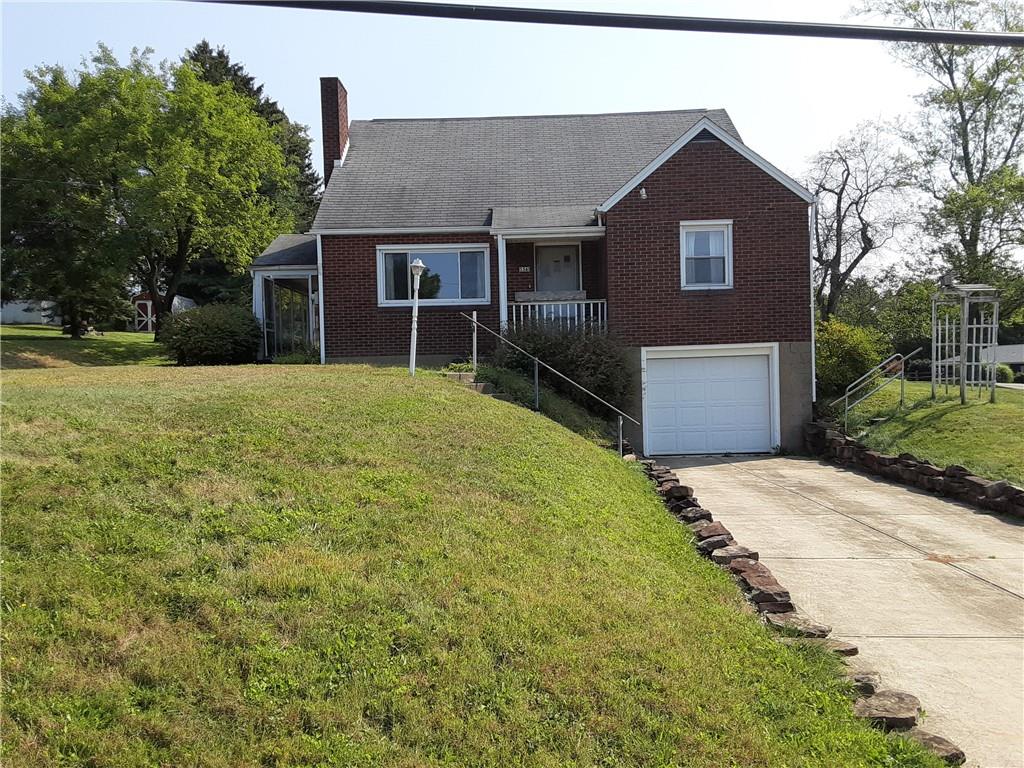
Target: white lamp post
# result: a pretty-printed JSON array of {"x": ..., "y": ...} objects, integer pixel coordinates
[{"x": 417, "y": 268}]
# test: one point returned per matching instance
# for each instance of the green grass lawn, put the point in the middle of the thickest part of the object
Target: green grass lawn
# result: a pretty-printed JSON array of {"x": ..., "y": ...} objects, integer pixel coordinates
[
  {"x": 552, "y": 404},
  {"x": 987, "y": 438},
  {"x": 278, "y": 565},
  {"x": 43, "y": 346}
]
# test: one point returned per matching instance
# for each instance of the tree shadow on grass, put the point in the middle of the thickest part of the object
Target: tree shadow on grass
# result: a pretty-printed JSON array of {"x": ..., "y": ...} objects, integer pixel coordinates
[{"x": 49, "y": 351}]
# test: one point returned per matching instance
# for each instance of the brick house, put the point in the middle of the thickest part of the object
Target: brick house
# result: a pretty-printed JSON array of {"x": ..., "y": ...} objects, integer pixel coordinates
[{"x": 661, "y": 228}]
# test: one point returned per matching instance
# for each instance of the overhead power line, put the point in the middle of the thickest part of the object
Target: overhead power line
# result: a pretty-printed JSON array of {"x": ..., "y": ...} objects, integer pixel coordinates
[{"x": 642, "y": 21}]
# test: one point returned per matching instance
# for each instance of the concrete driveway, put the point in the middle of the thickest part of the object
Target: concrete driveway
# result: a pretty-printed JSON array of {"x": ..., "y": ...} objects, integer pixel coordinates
[{"x": 930, "y": 590}]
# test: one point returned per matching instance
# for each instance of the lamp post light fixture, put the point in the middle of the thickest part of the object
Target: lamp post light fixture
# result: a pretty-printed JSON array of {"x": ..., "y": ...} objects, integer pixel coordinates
[{"x": 417, "y": 268}]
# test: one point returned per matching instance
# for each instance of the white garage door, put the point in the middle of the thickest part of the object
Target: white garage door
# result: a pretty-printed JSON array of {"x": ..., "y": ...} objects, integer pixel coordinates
[{"x": 708, "y": 405}]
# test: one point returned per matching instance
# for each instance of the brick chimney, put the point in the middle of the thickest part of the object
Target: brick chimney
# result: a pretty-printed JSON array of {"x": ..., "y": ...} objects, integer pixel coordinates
[{"x": 334, "y": 113}]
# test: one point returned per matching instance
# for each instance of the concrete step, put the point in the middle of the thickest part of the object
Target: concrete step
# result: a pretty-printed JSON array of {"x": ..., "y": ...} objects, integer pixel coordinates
[
  {"x": 465, "y": 377},
  {"x": 480, "y": 386}
]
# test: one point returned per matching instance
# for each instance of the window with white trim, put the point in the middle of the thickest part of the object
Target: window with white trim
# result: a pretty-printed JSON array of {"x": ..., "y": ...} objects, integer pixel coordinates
[
  {"x": 454, "y": 274},
  {"x": 705, "y": 254}
]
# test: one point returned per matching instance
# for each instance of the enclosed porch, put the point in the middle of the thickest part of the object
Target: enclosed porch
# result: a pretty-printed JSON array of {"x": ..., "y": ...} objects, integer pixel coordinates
[{"x": 286, "y": 297}]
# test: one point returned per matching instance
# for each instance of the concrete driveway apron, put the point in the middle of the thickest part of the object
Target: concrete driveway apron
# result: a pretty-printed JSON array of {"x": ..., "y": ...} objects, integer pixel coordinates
[{"x": 932, "y": 591}]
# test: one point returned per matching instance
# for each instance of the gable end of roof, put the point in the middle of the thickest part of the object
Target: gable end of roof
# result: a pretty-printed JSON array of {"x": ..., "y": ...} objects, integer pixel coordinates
[{"x": 700, "y": 131}]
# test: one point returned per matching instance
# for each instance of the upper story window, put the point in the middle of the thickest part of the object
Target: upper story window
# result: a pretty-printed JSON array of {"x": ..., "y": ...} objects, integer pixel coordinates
[
  {"x": 706, "y": 254},
  {"x": 454, "y": 274}
]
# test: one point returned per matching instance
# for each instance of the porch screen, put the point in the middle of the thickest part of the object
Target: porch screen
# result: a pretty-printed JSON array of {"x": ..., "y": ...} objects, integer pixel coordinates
[{"x": 450, "y": 276}]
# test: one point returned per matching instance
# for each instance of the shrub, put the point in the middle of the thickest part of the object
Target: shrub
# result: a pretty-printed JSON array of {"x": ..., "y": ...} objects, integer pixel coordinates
[
  {"x": 215, "y": 334},
  {"x": 1004, "y": 373},
  {"x": 1019, "y": 378},
  {"x": 843, "y": 353},
  {"x": 594, "y": 360},
  {"x": 919, "y": 369},
  {"x": 305, "y": 354}
]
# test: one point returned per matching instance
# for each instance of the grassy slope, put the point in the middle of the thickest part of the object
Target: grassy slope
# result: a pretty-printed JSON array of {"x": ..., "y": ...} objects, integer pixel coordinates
[
  {"x": 984, "y": 437},
  {"x": 552, "y": 404},
  {"x": 285, "y": 565},
  {"x": 43, "y": 346}
]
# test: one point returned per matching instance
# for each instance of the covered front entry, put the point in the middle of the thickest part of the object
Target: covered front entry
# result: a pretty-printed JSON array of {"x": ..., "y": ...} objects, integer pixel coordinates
[
  {"x": 710, "y": 399},
  {"x": 287, "y": 305}
]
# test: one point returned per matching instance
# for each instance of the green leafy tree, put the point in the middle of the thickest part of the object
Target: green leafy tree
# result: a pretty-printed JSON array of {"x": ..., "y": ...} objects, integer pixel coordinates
[
  {"x": 199, "y": 187},
  {"x": 128, "y": 171},
  {"x": 68, "y": 146},
  {"x": 905, "y": 316},
  {"x": 969, "y": 136},
  {"x": 302, "y": 193},
  {"x": 860, "y": 303}
]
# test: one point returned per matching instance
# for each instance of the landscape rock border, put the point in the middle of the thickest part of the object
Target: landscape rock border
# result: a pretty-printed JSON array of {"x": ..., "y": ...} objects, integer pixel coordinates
[
  {"x": 826, "y": 440},
  {"x": 886, "y": 709}
]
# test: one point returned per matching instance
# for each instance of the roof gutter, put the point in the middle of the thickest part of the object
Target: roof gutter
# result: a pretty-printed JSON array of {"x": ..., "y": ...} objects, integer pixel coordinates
[
  {"x": 527, "y": 232},
  {"x": 396, "y": 230}
]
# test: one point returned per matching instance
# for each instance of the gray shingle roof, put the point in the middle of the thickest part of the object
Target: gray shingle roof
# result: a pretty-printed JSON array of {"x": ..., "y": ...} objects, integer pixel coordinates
[
  {"x": 288, "y": 250},
  {"x": 519, "y": 217},
  {"x": 452, "y": 172}
]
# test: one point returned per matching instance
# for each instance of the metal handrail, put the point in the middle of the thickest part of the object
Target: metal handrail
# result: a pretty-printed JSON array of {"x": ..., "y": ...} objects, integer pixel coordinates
[
  {"x": 869, "y": 378},
  {"x": 536, "y": 377}
]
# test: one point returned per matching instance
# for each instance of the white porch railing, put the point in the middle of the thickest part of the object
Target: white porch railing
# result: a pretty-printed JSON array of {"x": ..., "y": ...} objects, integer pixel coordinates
[{"x": 589, "y": 314}]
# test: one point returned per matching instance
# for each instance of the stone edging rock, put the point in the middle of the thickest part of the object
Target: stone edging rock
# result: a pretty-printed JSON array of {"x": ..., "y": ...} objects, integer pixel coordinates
[
  {"x": 888, "y": 710},
  {"x": 824, "y": 439}
]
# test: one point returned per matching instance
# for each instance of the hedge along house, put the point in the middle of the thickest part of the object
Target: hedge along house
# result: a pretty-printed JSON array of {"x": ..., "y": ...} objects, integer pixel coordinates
[{"x": 661, "y": 228}]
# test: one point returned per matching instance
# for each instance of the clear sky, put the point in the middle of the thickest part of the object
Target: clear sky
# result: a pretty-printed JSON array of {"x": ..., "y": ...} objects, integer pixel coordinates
[{"x": 788, "y": 97}]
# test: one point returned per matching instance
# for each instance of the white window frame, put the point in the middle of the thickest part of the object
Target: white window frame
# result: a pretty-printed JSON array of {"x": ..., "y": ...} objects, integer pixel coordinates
[
  {"x": 714, "y": 225},
  {"x": 382, "y": 301}
]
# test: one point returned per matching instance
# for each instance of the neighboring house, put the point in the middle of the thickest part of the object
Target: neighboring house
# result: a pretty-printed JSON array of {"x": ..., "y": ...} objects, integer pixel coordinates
[
  {"x": 26, "y": 312},
  {"x": 1008, "y": 354},
  {"x": 661, "y": 228}
]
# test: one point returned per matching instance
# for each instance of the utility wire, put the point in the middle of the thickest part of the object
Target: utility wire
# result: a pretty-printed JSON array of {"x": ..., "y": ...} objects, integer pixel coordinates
[{"x": 642, "y": 21}]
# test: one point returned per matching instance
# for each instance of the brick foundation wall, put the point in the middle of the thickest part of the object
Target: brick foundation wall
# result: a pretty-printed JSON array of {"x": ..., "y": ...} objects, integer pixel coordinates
[
  {"x": 771, "y": 293},
  {"x": 354, "y": 326}
]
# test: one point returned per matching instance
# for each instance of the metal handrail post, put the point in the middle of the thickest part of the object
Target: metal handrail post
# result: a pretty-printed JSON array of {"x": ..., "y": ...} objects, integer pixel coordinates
[
  {"x": 474, "y": 341},
  {"x": 620, "y": 435},
  {"x": 903, "y": 382}
]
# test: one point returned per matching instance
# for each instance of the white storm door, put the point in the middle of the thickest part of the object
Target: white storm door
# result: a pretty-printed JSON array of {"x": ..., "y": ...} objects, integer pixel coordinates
[{"x": 558, "y": 268}]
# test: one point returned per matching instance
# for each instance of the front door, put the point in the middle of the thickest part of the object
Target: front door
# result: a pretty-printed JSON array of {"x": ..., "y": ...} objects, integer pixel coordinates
[{"x": 558, "y": 268}]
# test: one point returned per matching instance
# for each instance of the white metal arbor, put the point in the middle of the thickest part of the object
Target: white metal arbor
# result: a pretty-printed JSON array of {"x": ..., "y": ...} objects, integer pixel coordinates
[{"x": 965, "y": 324}]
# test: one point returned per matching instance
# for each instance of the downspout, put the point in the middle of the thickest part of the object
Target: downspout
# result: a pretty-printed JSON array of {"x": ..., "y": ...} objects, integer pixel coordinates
[
  {"x": 257, "y": 308},
  {"x": 502, "y": 284},
  {"x": 320, "y": 303},
  {"x": 812, "y": 225}
]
